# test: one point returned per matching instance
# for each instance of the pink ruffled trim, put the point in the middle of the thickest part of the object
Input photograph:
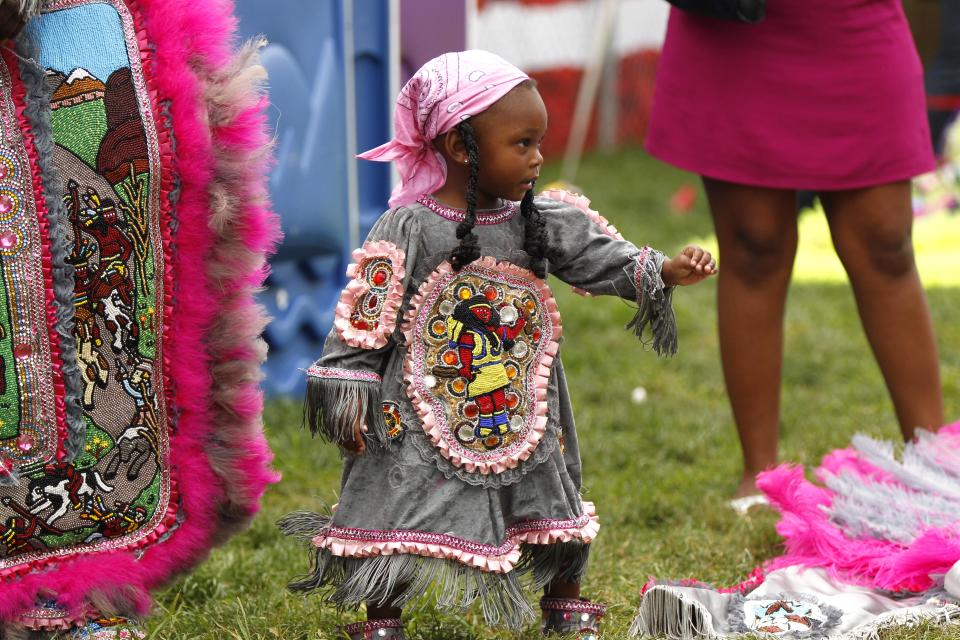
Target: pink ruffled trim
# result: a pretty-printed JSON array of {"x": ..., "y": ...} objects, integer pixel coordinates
[
  {"x": 344, "y": 374},
  {"x": 54, "y": 619},
  {"x": 365, "y": 543},
  {"x": 358, "y": 286},
  {"x": 434, "y": 425}
]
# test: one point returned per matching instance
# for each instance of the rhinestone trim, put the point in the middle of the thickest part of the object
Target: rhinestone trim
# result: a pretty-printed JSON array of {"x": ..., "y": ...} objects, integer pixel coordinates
[
  {"x": 343, "y": 374},
  {"x": 483, "y": 216},
  {"x": 372, "y": 625}
]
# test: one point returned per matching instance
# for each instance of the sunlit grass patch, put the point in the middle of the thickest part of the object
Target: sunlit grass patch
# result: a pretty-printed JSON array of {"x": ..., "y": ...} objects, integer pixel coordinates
[{"x": 936, "y": 242}]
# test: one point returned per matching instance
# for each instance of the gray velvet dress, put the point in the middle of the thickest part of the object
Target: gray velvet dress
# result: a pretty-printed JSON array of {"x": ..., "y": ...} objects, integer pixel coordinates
[{"x": 471, "y": 477}]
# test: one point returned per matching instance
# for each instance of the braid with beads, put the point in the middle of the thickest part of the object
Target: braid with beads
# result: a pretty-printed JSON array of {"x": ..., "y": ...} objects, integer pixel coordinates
[
  {"x": 534, "y": 236},
  {"x": 469, "y": 248}
]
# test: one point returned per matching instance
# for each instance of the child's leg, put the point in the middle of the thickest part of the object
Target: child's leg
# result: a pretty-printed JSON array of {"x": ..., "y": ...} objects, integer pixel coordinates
[
  {"x": 757, "y": 233},
  {"x": 565, "y": 612},
  {"x": 383, "y": 621},
  {"x": 562, "y": 589},
  {"x": 871, "y": 230},
  {"x": 382, "y": 611}
]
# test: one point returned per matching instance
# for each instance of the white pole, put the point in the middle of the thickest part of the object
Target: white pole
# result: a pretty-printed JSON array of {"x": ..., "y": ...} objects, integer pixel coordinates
[
  {"x": 350, "y": 104},
  {"x": 394, "y": 80},
  {"x": 472, "y": 18},
  {"x": 602, "y": 39}
]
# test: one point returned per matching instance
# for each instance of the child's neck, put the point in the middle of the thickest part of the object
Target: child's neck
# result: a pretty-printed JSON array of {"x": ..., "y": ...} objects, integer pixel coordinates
[{"x": 455, "y": 196}]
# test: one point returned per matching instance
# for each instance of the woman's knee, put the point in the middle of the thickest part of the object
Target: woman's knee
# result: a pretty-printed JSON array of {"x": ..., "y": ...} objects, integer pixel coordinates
[
  {"x": 756, "y": 229},
  {"x": 879, "y": 251},
  {"x": 872, "y": 230},
  {"x": 756, "y": 254}
]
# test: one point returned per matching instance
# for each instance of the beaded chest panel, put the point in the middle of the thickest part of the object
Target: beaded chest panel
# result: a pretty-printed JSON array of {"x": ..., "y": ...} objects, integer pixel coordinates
[
  {"x": 113, "y": 489},
  {"x": 480, "y": 345}
]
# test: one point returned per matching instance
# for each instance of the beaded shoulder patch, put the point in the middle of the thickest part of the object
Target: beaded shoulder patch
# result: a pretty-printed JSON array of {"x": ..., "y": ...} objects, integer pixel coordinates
[
  {"x": 480, "y": 345},
  {"x": 367, "y": 312}
]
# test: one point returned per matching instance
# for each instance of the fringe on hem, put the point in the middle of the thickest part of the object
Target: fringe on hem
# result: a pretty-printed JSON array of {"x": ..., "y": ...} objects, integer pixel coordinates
[
  {"x": 949, "y": 614},
  {"x": 546, "y": 563},
  {"x": 405, "y": 578},
  {"x": 333, "y": 407},
  {"x": 655, "y": 311},
  {"x": 664, "y": 613}
]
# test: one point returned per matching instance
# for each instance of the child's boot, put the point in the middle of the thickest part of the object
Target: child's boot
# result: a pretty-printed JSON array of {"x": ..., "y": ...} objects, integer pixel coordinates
[
  {"x": 569, "y": 615},
  {"x": 376, "y": 629}
]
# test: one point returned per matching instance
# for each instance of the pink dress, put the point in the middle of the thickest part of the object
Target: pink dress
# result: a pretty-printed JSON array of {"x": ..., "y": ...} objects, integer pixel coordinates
[{"x": 821, "y": 95}]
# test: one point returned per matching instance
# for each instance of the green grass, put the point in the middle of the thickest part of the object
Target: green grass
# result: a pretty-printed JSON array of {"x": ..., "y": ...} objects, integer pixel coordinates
[
  {"x": 659, "y": 472},
  {"x": 935, "y": 241}
]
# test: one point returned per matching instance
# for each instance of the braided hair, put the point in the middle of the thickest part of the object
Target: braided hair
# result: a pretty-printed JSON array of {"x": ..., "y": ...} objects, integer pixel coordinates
[
  {"x": 535, "y": 232},
  {"x": 469, "y": 248}
]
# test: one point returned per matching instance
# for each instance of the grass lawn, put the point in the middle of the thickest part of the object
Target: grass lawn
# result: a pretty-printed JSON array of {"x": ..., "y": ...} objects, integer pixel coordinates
[{"x": 659, "y": 471}]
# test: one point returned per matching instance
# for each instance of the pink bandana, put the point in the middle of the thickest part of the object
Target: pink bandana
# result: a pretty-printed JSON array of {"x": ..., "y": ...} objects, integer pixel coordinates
[{"x": 446, "y": 90}]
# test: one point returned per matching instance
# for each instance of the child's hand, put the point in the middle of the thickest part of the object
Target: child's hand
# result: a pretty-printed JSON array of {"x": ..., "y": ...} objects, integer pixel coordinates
[
  {"x": 355, "y": 442},
  {"x": 691, "y": 265}
]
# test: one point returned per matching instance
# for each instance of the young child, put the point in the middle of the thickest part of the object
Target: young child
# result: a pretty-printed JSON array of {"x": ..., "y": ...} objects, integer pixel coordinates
[{"x": 441, "y": 378}]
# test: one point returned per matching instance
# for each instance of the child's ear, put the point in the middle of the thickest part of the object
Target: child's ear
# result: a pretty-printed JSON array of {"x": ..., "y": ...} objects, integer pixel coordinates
[{"x": 452, "y": 146}]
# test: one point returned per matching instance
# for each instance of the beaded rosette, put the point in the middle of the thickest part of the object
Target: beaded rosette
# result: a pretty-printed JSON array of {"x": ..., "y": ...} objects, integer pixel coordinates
[
  {"x": 443, "y": 397},
  {"x": 367, "y": 312},
  {"x": 107, "y": 304}
]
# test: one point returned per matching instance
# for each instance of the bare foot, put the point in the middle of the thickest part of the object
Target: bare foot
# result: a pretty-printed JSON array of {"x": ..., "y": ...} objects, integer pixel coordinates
[
  {"x": 748, "y": 486},
  {"x": 748, "y": 496}
]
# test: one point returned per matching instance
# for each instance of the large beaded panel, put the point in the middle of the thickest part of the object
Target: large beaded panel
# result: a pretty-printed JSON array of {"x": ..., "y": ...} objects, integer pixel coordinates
[
  {"x": 480, "y": 344},
  {"x": 111, "y": 153}
]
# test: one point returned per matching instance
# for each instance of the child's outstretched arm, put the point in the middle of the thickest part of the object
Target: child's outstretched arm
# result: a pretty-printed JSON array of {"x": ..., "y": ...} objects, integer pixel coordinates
[{"x": 590, "y": 254}]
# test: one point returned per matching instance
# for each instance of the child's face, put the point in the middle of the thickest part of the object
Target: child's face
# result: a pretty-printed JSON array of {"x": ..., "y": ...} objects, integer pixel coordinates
[{"x": 509, "y": 135}]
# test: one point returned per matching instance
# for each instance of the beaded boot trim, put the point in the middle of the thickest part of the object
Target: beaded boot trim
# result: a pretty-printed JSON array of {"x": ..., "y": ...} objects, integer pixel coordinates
[
  {"x": 563, "y": 615},
  {"x": 375, "y": 629}
]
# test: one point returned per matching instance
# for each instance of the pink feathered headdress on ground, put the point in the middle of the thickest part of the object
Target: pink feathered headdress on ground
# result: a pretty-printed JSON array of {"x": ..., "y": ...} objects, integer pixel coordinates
[{"x": 445, "y": 91}]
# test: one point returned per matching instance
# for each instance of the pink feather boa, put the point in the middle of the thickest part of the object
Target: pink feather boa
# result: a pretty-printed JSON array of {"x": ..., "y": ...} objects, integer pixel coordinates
[
  {"x": 812, "y": 540},
  {"x": 193, "y": 44}
]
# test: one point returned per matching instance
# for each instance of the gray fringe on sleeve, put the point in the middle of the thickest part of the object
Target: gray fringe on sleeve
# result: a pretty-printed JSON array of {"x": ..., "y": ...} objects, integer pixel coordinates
[
  {"x": 655, "y": 301},
  {"x": 333, "y": 406},
  {"x": 404, "y": 579},
  {"x": 37, "y": 112}
]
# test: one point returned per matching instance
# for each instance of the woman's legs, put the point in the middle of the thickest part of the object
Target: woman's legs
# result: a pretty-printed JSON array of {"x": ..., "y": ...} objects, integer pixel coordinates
[
  {"x": 871, "y": 230},
  {"x": 757, "y": 233}
]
